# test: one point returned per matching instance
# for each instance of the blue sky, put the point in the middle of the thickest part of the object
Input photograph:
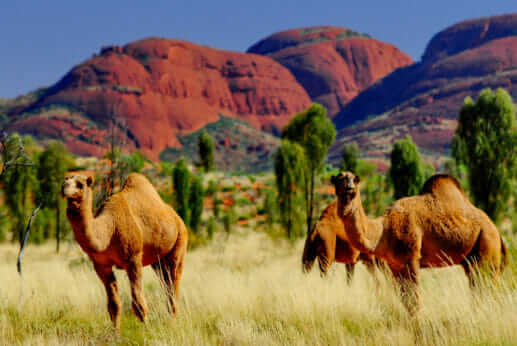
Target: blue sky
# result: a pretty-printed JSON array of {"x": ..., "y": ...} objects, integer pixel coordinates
[{"x": 42, "y": 40}]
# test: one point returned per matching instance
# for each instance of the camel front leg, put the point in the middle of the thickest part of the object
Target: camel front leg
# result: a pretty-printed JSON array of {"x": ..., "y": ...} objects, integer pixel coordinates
[
  {"x": 373, "y": 266},
  {"x": 134, "y": 272},
  {"x": 107, "y": 277},
  {"x": 350, "y": 268},
  {"x": 407, "y": 279},
  {"x": 326, "y": 255}
]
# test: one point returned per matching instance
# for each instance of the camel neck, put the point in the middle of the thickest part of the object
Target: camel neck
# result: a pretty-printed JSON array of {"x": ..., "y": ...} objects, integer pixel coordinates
[
  {"x": 92, "y": 234},
  {"x": 363, "y": 233}
]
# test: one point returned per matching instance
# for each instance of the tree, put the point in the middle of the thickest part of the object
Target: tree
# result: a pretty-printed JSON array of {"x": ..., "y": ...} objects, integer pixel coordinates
[
  {"x": 350, "y": 158},
  {"x": 485, "y": 142},
  {"x": 206, "y": 151},
  {"x": 20, "y": 184},
  {"x": 270, "y": 207},
  {"x": 289, "y": 173},
  {"x": 407, "y": 173},
  {"x": 53, "y": 163},
  {"x": 314, "y": 132},
  {"x": 181, "y": 186},
  {"x": 196, "y": 202},
  {"x": 228, "y": 220}
]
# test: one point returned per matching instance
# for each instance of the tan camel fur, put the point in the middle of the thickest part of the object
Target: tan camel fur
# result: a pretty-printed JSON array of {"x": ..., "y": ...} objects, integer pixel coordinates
[
  {"x": 328, "y": 242},
  {"x": 133, "y": 228},
  {"x": 439, "y": 227}
]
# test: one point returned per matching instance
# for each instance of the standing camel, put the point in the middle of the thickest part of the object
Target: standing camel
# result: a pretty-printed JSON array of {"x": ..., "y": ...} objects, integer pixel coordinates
[
  {"x": 328, "y": 242},
  {"x": 439, "y": 227},
  {"x": 133, "y": 228}
]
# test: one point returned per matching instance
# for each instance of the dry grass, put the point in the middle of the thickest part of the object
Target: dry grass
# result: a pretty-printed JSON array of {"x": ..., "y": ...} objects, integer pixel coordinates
[{"x": 247, "y": 290}]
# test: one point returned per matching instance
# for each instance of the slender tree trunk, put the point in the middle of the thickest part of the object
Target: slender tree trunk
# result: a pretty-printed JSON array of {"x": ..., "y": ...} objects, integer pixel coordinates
[
  {"x": 24, "y": 208},
  {"x": 289, "y": 218},
  {"x": 58, "y": 227},
  {"x": 310, "y": 201}
]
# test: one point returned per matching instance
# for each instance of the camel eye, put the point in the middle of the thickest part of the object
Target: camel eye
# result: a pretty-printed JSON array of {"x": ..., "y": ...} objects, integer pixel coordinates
[{"x": 79, "y": 185}]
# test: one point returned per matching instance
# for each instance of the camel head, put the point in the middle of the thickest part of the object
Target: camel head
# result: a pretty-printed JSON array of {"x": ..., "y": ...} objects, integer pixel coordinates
[
  {"x": 77, "y": 187},
  {"x": 347, "y": 186}
]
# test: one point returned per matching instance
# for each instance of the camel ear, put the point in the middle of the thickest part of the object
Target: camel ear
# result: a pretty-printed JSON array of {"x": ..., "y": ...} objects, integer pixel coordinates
[
  {"x": 89, "y": 181},
  {"x": 357, "y": 180}
]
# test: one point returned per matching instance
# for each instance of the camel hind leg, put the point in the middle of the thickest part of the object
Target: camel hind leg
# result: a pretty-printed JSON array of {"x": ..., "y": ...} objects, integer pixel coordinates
[
  {"x": 170, "y": 269},
  {"x": 134, "y": 273},
  {"x": 484, "y": 258}
]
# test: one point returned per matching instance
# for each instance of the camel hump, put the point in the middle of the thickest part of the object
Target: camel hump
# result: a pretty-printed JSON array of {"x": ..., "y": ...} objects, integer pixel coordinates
[
  {"x": 136, "y": 180},
  {"x": 440, "y": 183}
]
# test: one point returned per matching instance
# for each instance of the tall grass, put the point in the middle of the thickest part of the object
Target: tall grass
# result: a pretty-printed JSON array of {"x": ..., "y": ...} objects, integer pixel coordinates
[{"x": 247, "y": 290}]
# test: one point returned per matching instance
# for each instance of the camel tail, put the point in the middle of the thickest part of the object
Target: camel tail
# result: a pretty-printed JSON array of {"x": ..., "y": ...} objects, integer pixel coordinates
[
  {"x": 504, "y": 252},
  {"x": 309, "y": 254}
]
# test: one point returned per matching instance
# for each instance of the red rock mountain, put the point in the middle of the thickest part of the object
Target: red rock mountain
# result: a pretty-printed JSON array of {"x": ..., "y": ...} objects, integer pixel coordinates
[
  {"x": 424, "y": 99},
  {"x": 333, "y": 64},
  {"x": 160, "y": 89}
]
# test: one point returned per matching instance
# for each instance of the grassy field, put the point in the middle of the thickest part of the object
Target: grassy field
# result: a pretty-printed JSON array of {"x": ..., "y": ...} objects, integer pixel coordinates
[{"x": 247, "y": 290}]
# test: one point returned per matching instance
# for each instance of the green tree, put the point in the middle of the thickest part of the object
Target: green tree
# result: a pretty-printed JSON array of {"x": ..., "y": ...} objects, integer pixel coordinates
[
  {"x": 206, "y": 151},
  {"x": 485, "y": 142},
  {"x": 407, "y": 173},
  {"x": 229, "y": 219},
  {"x": 195, "y": 202},
  {"x": 210, "y": 227},
  {"x": 289, "y": 172},
  {"x": 20, "y": 185},
  {"x": 350, "y": 158},
  {"x": 53, "y": 163},
  {"x": 270, "y": 207},
  {"x": 181, "y": 186},
  {"x": 315, "y": 133}
]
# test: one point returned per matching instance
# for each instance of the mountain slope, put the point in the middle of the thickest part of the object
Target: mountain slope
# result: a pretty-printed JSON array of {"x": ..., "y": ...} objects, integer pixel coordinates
[
  {"x": 333, "y": 64},
  {"x": 159, "y": 89},
  {"x": 424, "y": 99}
]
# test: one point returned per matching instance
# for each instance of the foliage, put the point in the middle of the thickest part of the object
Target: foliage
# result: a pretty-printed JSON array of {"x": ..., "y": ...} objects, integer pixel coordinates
[
  {"x": 229, "y": 219},
  {"x": 289, "y": 172},
  {"x": 375, "y": 194},
  {"x": 20, "y": 184},
  {"x": 407, "y": 173},
  {"x": 458, "y": 171},
  {"x": 195, "y": 203},
  {"x": 485, "y": 142},
  {"x": 350, "y": 158},
  {"x": 120, "y": 166},
  {"x": 206, "y": 151},
  {"x": 211, "y": 188},
  {"x": 210, "y": 227},
  {"x": 181, "y": 186},
  {"x": 53, "y": 163},
  {"x": 270, "y": 207},
  {"x": 314, "y": 132}
]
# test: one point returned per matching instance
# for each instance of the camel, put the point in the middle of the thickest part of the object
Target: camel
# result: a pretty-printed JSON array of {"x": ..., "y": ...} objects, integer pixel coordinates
[
  {"x": 439, "y": 227},
  {"x": 134, "y": 228},
  {"x": 328, "y": 242}
]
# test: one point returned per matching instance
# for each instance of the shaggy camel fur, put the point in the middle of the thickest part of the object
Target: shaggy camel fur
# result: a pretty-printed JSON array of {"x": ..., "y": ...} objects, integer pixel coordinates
[
  {"x": 133, "y": 228},
  {"x": 439, "y": 227},
  {"x": 328, "y": 242}
]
